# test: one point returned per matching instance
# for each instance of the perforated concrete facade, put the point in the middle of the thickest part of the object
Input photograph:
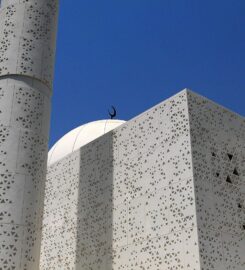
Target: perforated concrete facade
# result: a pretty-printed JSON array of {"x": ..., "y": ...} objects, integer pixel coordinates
[
  {"x": 152, "y": 194},
  {"x": 27, "y": 48},
  {"x": 218, "y": 153}
]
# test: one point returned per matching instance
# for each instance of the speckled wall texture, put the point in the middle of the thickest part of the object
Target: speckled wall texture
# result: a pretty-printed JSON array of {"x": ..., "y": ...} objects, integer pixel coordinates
[
  {"x": 27, "y": 49},
  {"x": 165, "y": 190}
]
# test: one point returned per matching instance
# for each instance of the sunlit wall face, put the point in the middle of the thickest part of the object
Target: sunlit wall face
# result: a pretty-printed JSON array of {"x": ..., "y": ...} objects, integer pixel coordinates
[{"x": 27, "y": 50}]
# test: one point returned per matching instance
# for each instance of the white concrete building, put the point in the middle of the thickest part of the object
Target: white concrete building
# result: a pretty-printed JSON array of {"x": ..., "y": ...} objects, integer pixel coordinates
[{"x": 165, "y": 190}]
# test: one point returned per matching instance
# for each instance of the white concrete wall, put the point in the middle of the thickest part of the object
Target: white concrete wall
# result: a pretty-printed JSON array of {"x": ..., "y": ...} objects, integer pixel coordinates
[
  {"x": 218, "y": 150},
  {"x": 27, "y": 46},
  {"x": 126, "y": 201},
  {"x": 152, "y": 194}
]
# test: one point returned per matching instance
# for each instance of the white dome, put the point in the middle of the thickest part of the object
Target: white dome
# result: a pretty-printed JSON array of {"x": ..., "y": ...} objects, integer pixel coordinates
[{"x": 80, "y": 136}]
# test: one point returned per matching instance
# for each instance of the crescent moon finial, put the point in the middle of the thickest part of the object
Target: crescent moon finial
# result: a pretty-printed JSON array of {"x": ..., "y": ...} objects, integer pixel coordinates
[{"x": 113, "y": 113}]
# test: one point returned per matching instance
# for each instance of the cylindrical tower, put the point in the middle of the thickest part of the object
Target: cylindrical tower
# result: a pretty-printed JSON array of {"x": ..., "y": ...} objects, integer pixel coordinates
[{"x": 27, "y": 50}]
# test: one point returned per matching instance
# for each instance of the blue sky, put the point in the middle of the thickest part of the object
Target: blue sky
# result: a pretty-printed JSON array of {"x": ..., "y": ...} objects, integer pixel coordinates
[{"x": 135, "y": 53}]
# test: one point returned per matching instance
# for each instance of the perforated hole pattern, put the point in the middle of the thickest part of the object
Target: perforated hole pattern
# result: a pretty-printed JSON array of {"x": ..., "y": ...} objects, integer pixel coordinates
[
  {"x": 27, "y": 45},
  {"x": 147, "y": 195}
]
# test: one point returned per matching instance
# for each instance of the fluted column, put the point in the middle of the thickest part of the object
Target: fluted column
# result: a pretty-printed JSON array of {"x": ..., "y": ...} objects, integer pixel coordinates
[{"x": 27, "y": 51}]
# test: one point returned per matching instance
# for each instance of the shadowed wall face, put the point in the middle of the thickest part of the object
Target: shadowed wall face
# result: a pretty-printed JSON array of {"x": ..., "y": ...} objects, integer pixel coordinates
[
  {"x": 27, "y": 49},
  {"x": 218, "y": 154}
]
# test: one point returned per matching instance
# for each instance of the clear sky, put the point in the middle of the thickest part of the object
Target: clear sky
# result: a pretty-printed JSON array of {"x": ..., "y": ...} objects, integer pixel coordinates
[{"x": 134, "y": 54}]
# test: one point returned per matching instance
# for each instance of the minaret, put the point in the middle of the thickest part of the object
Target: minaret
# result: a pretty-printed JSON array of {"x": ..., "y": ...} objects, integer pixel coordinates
[{"x": 27, "y": 50}]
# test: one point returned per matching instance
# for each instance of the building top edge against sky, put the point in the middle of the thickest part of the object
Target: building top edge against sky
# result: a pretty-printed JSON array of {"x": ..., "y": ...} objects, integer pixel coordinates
[{"x": 122, "y": 123}]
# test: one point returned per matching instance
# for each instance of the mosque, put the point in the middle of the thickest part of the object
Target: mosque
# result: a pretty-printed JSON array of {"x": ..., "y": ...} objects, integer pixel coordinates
[{"x": 162, "y": 191}]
